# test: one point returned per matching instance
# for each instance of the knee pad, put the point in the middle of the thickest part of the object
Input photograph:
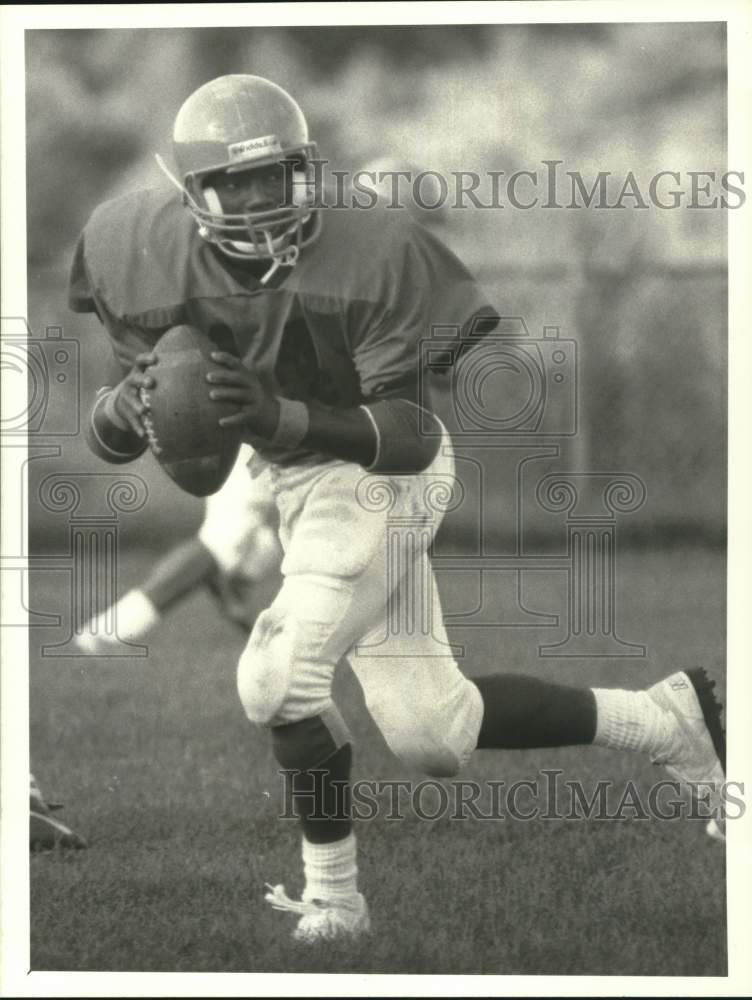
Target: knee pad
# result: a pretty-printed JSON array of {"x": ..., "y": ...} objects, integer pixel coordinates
[
  {"x": 266, "y": 664},
  {"x": 442, "y": 743},
  {"x": 280, "y": 680}
]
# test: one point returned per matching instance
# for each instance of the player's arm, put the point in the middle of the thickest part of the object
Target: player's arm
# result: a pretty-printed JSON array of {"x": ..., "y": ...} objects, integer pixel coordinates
[
  {"x": 115, "y": 432},
  {"x": 385, "y": 434},
  {"x": 391, "y": 433}
]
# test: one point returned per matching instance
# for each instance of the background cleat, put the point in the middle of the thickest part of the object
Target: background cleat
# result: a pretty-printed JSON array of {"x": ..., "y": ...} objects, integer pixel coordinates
[{"x": 46, "y": 833}]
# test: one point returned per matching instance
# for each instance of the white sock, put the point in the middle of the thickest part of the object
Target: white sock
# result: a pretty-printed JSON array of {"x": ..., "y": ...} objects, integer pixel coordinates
[
  {"x": 631, "y": 720},
  {"x": 331, "y": 870},
  {"x": 132, "y": 617}
]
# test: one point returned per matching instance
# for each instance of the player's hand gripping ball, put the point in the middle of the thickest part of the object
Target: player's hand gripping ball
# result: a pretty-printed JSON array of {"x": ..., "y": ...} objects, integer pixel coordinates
[{"x": 182, "y": 422}]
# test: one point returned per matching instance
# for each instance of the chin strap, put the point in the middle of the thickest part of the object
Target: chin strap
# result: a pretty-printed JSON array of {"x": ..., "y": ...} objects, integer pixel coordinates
[{"x": 287, "y": 259}]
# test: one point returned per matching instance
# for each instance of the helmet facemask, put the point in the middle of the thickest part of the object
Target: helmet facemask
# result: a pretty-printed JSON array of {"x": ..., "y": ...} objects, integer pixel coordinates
[{"x": 275, "y": 234}]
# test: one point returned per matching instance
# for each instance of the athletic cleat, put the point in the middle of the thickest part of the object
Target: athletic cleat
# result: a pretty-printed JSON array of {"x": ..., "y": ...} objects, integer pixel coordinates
[
  {"x": 697, "y": 754},
  {"x": 323, "y": 920},
  {"x": 45, "y": 832}
]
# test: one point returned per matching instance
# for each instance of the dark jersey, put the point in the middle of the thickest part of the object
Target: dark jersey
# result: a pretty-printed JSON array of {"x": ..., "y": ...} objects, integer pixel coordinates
[{"x": 343, "y": 326}]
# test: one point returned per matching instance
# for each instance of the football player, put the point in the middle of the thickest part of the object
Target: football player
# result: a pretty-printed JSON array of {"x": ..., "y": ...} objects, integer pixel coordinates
[
  {"x": 325, "y": 310},
  {"x": 234, "y": 549}
]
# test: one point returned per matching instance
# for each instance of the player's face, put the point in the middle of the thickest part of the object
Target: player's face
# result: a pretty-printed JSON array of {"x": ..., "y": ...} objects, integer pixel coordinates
[
  {"x": 257, "y": 190},
  {"x": 261, "y": 189}
]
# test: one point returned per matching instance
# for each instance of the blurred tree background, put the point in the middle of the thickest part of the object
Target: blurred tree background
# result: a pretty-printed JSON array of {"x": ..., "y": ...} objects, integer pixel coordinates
[{"x": 643, "y": 291}]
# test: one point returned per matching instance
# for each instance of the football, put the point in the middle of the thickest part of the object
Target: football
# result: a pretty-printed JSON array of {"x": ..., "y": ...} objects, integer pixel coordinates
[{"x": 182, "y": 424}]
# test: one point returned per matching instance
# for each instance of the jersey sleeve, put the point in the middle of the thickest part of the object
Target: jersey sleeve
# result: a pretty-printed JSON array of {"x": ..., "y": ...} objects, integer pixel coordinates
[
  {"x": 422, "y": 286},
  {"x": 126, "y": 338},
  {"x": 80, "y": 291}
]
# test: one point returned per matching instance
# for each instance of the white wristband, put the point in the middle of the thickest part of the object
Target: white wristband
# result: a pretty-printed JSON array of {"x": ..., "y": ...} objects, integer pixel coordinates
[
  {"x": 112, "y": 414},
  {"x": 293, "y": 423}
]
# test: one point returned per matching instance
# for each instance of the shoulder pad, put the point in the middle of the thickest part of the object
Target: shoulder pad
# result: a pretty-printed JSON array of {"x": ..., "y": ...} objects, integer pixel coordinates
[{"x": 142, "y": 252}]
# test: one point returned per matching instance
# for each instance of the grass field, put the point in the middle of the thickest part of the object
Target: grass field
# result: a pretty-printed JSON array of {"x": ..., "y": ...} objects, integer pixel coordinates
[{"x": 178, "y": 796}]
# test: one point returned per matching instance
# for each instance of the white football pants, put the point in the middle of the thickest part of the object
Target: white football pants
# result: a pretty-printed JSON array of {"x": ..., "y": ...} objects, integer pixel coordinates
[{"x": 358, "y": 584}]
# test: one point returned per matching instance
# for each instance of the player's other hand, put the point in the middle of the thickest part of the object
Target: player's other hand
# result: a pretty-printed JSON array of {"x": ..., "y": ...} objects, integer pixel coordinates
[
  {"x": 127, "y": 402},
  {"x": 258, "y": 411}
]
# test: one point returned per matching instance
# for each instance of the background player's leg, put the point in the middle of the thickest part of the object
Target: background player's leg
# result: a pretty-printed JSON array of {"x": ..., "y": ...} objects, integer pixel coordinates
[
  {"x": 175, "y": 576},
  {"x": 235, "y": 547}
]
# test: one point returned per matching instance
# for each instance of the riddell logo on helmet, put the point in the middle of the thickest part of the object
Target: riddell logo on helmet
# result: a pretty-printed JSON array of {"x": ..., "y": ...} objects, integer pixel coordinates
[{"x": 252, "y": 149}]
